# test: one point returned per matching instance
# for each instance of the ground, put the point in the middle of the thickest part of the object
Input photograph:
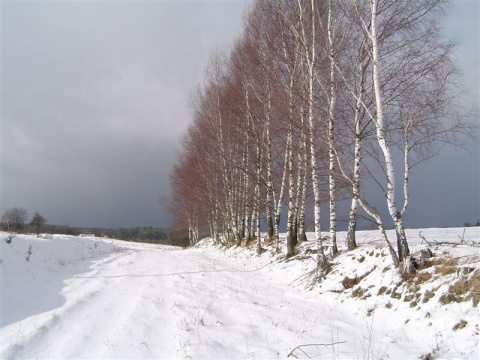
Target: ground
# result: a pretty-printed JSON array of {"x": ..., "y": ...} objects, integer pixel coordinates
[{"x": 100, "y": 298}]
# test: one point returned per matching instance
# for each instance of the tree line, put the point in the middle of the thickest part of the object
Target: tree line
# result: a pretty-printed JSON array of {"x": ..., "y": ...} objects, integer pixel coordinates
[
  {"x": 16, "y": 220},
  {"x": 314, "y": 100}
]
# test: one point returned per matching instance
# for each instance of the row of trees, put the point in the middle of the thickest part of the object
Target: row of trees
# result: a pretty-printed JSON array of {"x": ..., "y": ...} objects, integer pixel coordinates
[{"x": 314, "y": 99}]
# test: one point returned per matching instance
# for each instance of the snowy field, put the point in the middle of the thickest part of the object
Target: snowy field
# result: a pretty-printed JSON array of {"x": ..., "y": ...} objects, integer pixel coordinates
[{"x": 86, "y": 297}]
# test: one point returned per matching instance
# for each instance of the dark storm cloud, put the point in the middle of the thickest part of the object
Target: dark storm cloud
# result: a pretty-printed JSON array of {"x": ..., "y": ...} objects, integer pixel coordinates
[{"x": 95, "y": 99}]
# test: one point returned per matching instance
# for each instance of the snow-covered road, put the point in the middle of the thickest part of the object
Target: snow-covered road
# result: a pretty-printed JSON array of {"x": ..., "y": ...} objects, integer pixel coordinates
[{"x": 155, "y": 302}]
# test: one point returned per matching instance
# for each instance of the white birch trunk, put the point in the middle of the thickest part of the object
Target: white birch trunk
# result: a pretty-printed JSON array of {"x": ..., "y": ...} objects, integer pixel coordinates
[
  {"x": 381, "y": 138},
  {"x": 303, "y": 196},
  {"x": 269, "y": 198},
  {"x": 291, "y": 240},
  {"x": 352, "y": 219},
  {"x": 278, "y": 209},
  {"x": 298, "y": 195},
  {"x": 310, "y": 58},
  {"x": 249, "y": 212},
  {"x": 288, "y": 157},
  {"x": 375, "y": 215},
  {"x": 258, "y": 195},
  {"x": 331, "y": 136}
]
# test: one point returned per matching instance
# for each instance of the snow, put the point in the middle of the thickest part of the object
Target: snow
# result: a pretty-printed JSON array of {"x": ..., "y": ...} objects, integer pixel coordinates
[{"x": 87, "y": 297}]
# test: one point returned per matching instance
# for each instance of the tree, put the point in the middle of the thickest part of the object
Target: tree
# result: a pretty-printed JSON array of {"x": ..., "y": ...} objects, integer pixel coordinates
[
  {"x": 412, "y": 94},
  {"x": 37, "y": 222},
  {"x": 14, "y": 219}
]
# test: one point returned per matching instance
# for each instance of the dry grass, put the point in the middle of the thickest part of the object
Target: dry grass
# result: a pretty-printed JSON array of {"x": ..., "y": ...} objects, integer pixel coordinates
[
  {"x": 423, "y": 277},
  {"x": 444, "y": 266},
  {"x": 358, "y": 292},
  {"x": 395, "y": 295},
  {"x": 460, "y": 325},
  {"x": 382, "y": 290},
  {"x": 464, "y": 289},
  {"x": 268, "y": 241},
  {"x": 428, "y": 295},
  {"x": 349, "y": 283},
  {"x": 445, "y": 270}
]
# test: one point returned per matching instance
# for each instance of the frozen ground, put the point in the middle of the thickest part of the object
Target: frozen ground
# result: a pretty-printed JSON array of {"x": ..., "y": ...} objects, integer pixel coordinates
[{"x": 82, "y": 297}]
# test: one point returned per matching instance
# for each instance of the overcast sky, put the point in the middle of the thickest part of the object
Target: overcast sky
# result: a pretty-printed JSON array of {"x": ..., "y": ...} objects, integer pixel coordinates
[{"x": 94, "y": 100}]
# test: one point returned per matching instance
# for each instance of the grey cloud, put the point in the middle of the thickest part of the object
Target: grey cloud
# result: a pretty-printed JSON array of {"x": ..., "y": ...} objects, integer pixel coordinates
[{"x": 95, "y": 99}]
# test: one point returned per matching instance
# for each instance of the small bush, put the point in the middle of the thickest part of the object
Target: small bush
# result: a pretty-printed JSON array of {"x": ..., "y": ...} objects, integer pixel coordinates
[
  {"x": 29, "y": 253},
  {"x": 9, "y": 238}
]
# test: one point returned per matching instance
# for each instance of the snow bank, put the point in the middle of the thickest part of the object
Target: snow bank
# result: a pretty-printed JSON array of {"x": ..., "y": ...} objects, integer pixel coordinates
[
  {"x": 434, "y": 312},
  {"x": 33, "y": 269}
]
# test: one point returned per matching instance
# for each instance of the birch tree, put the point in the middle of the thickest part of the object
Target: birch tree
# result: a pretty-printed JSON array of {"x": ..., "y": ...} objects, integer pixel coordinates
[
  {"x": 405, "y": 50},
  {"x": 306, "y": 33}
]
